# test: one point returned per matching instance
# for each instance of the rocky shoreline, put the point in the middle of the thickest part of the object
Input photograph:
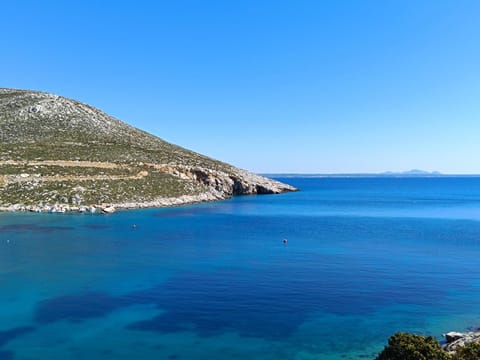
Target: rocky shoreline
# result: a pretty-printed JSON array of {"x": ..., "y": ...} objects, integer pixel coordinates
[
  {"x": 454, "y": 340},
  {"x": 220, "y": 188},
  {"x": 110, "y": 208},
  {"x": 218, "y": 185}
]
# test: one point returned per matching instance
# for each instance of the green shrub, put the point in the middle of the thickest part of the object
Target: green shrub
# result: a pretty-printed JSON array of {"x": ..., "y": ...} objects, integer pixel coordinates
[
  {"x": 404, "y": 346},
  {"x": 469, "y": 352}
]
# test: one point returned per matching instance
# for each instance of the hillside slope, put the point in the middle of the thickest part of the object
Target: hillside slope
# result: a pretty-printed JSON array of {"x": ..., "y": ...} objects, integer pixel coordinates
[{"x": 57, "y": 154}]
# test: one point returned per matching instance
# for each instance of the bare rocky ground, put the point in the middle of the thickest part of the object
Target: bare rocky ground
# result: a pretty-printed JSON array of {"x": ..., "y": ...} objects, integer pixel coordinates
[{"x": 59, "y": 155}]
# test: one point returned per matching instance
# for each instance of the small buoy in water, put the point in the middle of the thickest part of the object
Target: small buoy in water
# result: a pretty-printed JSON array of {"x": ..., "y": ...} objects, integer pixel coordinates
[
  {"x": 134, "y": 226},
  {"x": 285, "y": 241}
]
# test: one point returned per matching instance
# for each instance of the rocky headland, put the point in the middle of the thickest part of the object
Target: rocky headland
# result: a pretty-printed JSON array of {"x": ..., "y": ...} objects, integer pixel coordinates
[{"x": 60, "y": 155}]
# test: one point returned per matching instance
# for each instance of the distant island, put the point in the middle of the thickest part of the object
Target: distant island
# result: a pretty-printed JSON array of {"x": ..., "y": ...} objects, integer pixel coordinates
[
  {"x": 413, "y": 172},
  {"x": 59, "y": 155}
]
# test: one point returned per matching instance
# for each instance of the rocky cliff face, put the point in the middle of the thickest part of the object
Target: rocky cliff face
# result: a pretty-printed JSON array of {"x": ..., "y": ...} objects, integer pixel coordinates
[{"x": 57, "y": 154}]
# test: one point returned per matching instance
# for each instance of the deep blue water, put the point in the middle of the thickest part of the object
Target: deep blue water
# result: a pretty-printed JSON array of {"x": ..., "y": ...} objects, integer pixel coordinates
[{"x": 365, "y": 257}]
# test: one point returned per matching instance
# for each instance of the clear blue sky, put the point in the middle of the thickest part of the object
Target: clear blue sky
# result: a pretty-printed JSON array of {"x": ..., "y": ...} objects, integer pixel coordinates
[{"x": 270, "y": 86}]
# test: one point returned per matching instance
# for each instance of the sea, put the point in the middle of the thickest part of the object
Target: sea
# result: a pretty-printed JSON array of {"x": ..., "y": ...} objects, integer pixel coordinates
[{"x": 330, "y": 272}]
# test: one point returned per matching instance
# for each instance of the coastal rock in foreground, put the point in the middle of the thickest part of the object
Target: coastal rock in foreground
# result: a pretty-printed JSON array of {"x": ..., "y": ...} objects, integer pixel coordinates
[
  {"x": 456, "y": 340},
  {"x": 61, "y": 155},
  {"x": 407, "y": 346}
]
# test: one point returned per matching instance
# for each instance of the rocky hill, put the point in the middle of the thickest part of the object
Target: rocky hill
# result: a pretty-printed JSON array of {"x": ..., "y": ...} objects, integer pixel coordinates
[{"x": 57, "y": 154}]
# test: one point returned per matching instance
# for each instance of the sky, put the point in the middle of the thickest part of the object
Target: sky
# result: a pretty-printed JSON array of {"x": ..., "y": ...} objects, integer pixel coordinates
[{"x": 300, "y": 86}]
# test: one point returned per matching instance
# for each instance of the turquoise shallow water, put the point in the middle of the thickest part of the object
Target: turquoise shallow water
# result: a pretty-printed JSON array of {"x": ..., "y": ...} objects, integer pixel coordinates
[{"x": 365, "y": 257}]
